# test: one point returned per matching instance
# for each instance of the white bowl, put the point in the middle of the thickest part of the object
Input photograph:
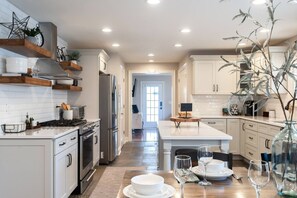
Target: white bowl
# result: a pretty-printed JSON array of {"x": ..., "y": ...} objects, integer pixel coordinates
[
  {"x": 16, "y": 65},
  {"x": 215, "y": 166},
  {"x": 147, "y": 184},
  {"x": 65, "y": 82}
]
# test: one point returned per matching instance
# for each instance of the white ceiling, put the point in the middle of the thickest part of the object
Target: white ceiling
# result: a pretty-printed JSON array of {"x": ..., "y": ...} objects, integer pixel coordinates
[{"x": 141, "y": 28}]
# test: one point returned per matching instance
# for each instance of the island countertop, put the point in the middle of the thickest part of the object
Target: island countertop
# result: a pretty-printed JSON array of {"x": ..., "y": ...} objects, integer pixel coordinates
[{"x": 190, "y": 131}]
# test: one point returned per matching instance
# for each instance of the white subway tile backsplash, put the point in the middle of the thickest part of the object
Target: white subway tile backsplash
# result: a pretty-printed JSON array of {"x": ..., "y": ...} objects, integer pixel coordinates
[
  {"x": 209, "y": 105},
  {"x": 16, "y": 101}
]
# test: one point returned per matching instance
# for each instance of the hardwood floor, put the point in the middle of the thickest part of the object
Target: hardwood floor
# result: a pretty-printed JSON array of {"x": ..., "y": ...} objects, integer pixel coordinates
[{"x": 142, "y": 151}]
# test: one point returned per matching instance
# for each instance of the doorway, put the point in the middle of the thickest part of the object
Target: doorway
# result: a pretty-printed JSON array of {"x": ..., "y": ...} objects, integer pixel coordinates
[{"x": 152, "y": 102}]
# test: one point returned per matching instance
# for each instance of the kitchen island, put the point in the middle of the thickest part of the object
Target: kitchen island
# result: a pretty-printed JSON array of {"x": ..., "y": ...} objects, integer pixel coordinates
[{"x": 188, "y": 135}]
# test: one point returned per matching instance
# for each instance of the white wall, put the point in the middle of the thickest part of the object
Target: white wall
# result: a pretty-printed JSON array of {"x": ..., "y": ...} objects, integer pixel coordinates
[
  {"x": 167, "y": 92},
  {"x": 150, "y": 68},
  {"x": 17, "y": 101}
]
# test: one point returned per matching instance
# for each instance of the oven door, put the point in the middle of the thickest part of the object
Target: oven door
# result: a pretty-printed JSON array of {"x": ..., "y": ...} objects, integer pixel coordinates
[{"x": 86, "y": 153}]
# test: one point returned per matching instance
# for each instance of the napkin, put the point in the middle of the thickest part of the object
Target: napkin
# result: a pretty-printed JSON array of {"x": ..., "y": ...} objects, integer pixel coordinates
[{"x": 190, "y": 176}]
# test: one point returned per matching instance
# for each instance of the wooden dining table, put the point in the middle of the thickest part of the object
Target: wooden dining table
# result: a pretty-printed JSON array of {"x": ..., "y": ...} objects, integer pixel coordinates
[{"x": 229, "y": 188}]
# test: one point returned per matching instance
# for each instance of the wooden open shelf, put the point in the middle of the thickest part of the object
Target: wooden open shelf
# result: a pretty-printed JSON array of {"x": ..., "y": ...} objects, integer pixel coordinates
[
  {"x": 25, "y": 48},
  {"x": 68, "y": 65},
  {"x": 67, "y": 87},
  {"x": 24, "y": 80}
]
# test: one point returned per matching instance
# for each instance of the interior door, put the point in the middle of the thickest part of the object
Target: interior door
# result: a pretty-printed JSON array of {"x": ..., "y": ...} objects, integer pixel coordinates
[{"x": 152, "y": 103}]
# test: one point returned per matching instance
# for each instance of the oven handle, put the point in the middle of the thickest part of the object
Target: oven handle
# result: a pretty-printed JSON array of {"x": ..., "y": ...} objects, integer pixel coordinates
[
  {"x": 94, "y": 170},
  {"x": 87, "y": 136}
]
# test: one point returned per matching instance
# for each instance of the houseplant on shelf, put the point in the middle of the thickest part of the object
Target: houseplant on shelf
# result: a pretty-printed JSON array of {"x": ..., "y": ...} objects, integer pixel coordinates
[
  {"x": 34, "y": 35},
  {"x": 73, "y": 56},
  {"x": 269, "y": 79}
]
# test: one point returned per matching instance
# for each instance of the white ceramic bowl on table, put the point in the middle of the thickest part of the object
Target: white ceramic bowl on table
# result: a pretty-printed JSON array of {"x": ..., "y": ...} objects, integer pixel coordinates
[
  {"x": 147, "y": 184},
  {"x": 215, "y": 166},
  {"x": 16, "y": 65}
]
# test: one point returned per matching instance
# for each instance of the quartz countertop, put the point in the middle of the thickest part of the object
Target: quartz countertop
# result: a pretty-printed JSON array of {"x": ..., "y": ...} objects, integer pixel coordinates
[
  {"x": 190, "y": 131},
  {"x": 264, "y": 120},
  {"x": 40, "y": 133}
]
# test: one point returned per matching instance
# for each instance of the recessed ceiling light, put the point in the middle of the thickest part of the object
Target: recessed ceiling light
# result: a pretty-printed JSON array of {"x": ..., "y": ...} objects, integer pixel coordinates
[
  {"x": 151, "y": 61},
  {"x": 293, "y": 1},
  {"x": 151, "y": 55},
  {"x": 115, "y": 45},
  {"x": 178, "y": 45},
  {"x": 185, "y": 30},
  {"x": 154, "y": 2},
  {"x": 241, "y": 44},
  {"x": 259, "y": 2},
  {"x": 107, "y": 30},
  {"x": 264, "y": 30}
]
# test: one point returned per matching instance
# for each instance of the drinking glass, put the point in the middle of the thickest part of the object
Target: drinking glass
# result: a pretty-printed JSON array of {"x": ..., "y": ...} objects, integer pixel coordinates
[
  {"x": 205, "y": 155},
  {"x": 182, "y": 166},
  {"x": 258, "y": 174}
]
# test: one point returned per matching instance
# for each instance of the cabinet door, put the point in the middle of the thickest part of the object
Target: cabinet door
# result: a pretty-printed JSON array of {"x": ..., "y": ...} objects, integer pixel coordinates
[
  {"x": 264, "y": 145},
  {"x": 96, "y": 147},
  {"x": 65, "y": 172},
  {"x": 203, "y": 77},
  {"x": 242, "y": 138},
  {"x": 233, "y": 129},
  {"x": 225, "y": 79},
  {"x": 72, "y": 169},
  {"x": 60, "y": 162}
]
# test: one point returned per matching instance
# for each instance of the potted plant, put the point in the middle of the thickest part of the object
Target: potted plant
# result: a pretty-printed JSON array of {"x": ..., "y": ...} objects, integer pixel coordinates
[
  {"x": 34, "y": 35},
  {"x": 268, "y": 79},
  {"x": 73, "y": 56}
]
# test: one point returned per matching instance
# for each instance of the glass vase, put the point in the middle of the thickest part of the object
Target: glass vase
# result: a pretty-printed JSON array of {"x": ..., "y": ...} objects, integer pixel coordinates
[{"x": 284, "y": 160}]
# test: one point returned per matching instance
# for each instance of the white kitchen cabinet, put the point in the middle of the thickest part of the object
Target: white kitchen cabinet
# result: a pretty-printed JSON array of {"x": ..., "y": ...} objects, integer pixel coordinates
[
  {"x": 219, "y": 124},
  {"x": 65, "y": 168},
  {"x": 277, "y": 59},
  {"x": 233, "y": 129},
  {"x": 207, "y": 79},
  {"x": 96, "y": 144},
  {"x": 242, "y": 137},
  {"x": 65, "y": 165},
  {"x": 26, "y": 165},
  {"x": 102, "y": 61}
]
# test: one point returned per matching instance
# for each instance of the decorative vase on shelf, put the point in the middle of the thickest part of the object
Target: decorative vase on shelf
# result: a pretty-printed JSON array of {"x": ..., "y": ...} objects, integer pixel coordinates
[{"x": 284, "y": 160}]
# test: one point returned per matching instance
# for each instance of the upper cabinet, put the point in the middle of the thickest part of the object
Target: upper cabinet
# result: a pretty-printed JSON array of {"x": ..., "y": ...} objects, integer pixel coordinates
[
  {"x": 277, "y": 60},
  {"x": 207, "y": 79},
  {"x": 102, "y": 62}
]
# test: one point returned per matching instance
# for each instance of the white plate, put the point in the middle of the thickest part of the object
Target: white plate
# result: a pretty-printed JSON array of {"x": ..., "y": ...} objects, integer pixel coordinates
[
  {"x": 166, "y": 192},
  {"x": 220, "y": 175}
]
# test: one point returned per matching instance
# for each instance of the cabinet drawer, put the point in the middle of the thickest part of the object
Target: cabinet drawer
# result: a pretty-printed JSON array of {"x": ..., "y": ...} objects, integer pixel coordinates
[
  {"x": 274, "y": 130},
  {"x": 251, "y": 138},
  {"x": 250, "y": 153},
  {"x": 65, "y": 141},
  {"x": 263, "y": 128},
  {"x": 219, "y": 124},
  {"x": 251, "y": 126}
]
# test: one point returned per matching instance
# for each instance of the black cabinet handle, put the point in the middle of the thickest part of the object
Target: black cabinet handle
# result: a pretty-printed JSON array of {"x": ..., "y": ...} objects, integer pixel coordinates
[
  {"x": 69, "y": 163},
  {"x": 62, "y": 144},
  {"x": 73, "y": 138},
  {"x": 250, "y": 125},
  {"x": 242, "y": 126},
  {"x": 251, "y": 138},
  {"x": 251, "y": 153},
  {"x": 267, "y": 143}
]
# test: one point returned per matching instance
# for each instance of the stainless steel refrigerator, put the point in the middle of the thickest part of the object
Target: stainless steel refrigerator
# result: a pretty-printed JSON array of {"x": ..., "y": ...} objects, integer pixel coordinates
[{"x": 108, "y": 110}]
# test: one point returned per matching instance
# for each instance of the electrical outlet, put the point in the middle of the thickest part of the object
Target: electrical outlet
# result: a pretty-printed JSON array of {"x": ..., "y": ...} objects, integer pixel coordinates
[{"x": 101, "y": 155}]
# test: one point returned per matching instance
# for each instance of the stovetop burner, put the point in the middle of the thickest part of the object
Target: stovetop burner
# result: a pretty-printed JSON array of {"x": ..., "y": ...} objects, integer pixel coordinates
[{"x": 74, "y": 122}]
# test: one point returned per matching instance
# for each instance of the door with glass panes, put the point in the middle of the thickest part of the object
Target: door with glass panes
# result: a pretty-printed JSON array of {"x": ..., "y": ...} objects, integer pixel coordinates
[{"x": 152, "y": 103}]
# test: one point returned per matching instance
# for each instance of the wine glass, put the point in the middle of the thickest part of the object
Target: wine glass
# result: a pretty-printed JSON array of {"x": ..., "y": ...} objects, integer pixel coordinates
[
  {"x": 182, "y": 166},
  {"x": 205, "y": 155},
  {"x": 258, "y": 174}
]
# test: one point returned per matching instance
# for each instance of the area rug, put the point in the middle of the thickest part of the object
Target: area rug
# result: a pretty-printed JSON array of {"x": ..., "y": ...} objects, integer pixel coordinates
[{"x": 110, "y": 182}]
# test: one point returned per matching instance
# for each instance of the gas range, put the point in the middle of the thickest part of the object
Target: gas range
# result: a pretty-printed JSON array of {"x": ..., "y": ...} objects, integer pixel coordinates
[{"x": 62, "y": 122}]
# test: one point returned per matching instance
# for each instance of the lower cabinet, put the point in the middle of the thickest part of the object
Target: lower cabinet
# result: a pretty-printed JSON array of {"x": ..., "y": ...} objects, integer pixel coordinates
[
  {"x": 65, "y": 172},
  {"x": 233, "y": 129}
]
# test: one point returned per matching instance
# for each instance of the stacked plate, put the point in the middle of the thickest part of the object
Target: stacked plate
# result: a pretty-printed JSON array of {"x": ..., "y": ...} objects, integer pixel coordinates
[
  {"x": 215, "y": 170},
  {"x": 148, "y": 186}
]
